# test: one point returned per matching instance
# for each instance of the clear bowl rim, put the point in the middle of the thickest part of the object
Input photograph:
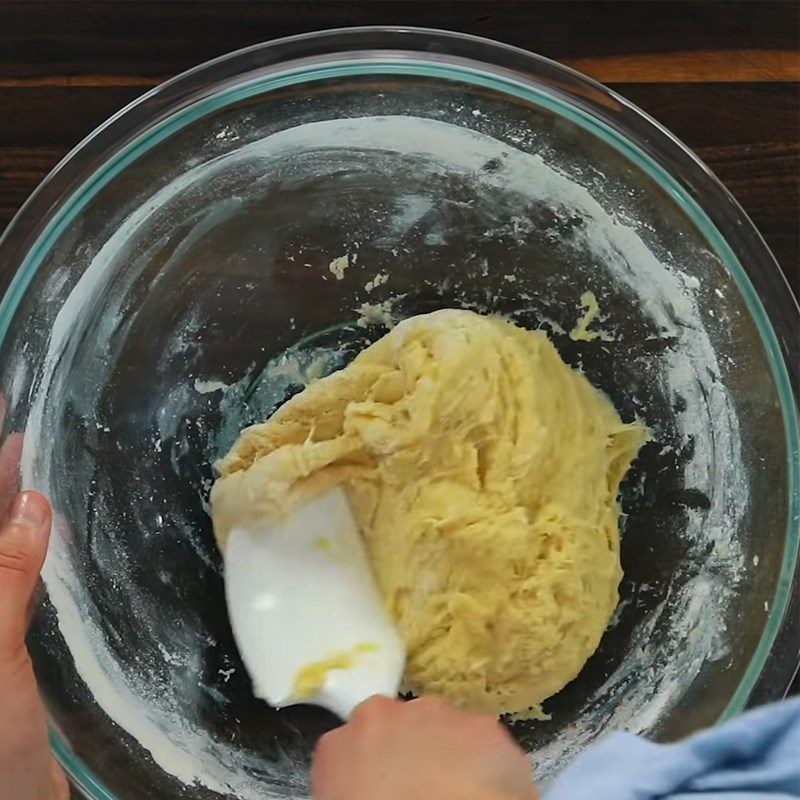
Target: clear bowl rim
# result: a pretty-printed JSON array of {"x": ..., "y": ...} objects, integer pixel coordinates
[{"x": 391, "y": 49}]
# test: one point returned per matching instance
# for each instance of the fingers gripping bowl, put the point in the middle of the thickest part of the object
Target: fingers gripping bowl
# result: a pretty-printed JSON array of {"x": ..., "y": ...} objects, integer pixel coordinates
[{"x": 178, "y": 277}]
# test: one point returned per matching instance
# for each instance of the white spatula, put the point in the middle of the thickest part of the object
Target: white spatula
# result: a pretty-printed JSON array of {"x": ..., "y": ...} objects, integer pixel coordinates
[{"x": 305, "y": 612}]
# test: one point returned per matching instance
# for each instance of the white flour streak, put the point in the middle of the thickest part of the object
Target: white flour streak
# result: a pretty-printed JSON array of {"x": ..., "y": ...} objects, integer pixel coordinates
[{"x": 207, "y": 387}]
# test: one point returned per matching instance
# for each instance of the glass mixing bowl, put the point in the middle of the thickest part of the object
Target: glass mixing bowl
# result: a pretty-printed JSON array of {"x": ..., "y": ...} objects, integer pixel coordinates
[{"x": 173, "y": 284}]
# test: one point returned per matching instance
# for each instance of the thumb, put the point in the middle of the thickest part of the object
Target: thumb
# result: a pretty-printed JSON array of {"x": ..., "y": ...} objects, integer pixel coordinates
[
  {"x": 26, "y": 766},
  {"x": 23, "y": 544}
]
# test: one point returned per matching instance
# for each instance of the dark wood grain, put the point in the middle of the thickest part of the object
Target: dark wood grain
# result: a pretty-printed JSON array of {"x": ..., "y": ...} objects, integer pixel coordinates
[
  {"x": 722, "y": 76},
  {"x": 153, "y": 40}
]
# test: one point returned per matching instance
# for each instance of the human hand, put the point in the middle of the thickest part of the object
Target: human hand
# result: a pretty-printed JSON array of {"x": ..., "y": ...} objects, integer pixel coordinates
[
  {"x": 419, "y": 750},
  {"x": 28, "y": 770}
]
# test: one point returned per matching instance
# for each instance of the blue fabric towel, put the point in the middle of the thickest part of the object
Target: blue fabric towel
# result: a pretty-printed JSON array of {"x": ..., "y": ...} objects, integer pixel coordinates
[{"x": 753, "y": 757}]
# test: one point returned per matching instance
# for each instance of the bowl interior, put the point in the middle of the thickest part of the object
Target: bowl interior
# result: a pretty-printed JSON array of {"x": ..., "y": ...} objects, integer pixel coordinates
[{"x": 187, "y": 292}]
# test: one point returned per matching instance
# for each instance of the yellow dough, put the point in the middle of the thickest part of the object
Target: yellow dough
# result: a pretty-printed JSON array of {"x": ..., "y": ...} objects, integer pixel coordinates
[{"x": 483, "y": 473}]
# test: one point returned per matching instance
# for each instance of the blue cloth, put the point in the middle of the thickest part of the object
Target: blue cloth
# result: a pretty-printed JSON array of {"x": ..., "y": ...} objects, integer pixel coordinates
[{"x": 753, "y": 757}]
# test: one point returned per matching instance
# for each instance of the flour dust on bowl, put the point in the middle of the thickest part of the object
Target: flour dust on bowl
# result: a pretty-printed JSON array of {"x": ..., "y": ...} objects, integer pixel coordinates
[{"x": 255, "y": 223}]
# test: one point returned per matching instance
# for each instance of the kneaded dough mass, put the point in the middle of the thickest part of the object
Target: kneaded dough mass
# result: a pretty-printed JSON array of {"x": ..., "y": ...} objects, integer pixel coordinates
[{"x": 483, "y": 473}]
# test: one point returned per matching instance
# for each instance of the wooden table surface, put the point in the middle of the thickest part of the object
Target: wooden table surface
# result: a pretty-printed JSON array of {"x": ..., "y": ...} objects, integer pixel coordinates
[{"x": 722, "y": 76}]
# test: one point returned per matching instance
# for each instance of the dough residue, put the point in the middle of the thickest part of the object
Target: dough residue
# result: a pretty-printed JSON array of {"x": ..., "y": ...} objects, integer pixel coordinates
[
  {"x": 311, "y": 678},
  {"x": 339, "y": 265},
  {"x": 379, "y": 280},
  {"x": 581, "y": 332},
  {"x": 375, "y": 314},
  {"x": 483, "y": 473}
]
